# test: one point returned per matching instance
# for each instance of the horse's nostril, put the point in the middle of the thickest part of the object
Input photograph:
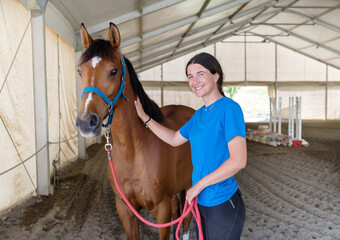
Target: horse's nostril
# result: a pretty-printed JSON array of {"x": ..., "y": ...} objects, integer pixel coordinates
[{"x": 94, "y": 120}]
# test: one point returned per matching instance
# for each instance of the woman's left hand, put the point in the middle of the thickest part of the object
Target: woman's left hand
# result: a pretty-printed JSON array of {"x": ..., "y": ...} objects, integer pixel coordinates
[{"x": 194, "y": 191}]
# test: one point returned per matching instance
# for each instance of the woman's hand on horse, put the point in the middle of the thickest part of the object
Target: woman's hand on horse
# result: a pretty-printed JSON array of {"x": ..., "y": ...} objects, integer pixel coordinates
[
  {"x": 140, "y": 111},
  {"x": 168, "y": 135}
]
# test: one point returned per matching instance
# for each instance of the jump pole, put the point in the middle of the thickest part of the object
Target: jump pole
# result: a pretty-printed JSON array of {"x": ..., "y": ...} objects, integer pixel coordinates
[
  {"x": 270, "y": 114},
  {"x": 289, "y": 117},
  {"x": 298, "y": 119},
  {"x": 274, "y": 110},
  {"x": 280, "y": 116}
]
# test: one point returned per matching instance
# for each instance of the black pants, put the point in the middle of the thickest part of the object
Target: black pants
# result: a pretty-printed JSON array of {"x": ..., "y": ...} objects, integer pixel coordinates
[{"x": 224, "y": 221}]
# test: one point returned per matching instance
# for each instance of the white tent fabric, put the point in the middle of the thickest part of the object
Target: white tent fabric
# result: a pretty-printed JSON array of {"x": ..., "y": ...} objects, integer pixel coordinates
[
  {"x": 16, "y": 106},
  {"x": 61, "y": 98},
  {"x": 17, "y": 131}
]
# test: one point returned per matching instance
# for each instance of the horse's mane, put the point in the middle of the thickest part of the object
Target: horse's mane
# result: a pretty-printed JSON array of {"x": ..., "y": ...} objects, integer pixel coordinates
[
  {"x": 150, "y": 107},
  {"x": 103, "y": 49}
]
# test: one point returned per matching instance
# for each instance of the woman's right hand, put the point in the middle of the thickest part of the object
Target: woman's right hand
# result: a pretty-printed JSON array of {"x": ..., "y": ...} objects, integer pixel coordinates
[{"x": 140, "y": 111}]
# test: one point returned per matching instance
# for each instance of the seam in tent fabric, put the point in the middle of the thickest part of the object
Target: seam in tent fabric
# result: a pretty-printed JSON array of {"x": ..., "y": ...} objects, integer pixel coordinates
[
  {"x": 22, "y": 162},
  {"x": 15, "y": 55},
  {"x": 63, "y": 140}
]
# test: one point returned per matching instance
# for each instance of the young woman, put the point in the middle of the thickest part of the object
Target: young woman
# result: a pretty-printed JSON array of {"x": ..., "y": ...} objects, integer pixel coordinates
[{"x": 218, "y": 147}]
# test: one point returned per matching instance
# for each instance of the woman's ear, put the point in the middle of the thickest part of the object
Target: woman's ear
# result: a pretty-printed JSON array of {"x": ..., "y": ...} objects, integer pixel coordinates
[{"x": 216, "y": 77}]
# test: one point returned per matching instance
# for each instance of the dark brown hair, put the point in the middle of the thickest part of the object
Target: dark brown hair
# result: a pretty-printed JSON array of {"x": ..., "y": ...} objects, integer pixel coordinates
[{"x": 209, "y": 62}]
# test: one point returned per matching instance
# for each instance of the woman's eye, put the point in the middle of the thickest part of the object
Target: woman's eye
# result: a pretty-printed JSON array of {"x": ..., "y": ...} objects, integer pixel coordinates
[
  {"x": 79, "y": 72},
  {"x": 113, "y": 72}
]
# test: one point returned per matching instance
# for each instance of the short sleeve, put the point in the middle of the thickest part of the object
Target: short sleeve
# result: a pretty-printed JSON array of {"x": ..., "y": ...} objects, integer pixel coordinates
[
  {"x": 185, "y": 129},
  {"x": 234, "y": 122}
]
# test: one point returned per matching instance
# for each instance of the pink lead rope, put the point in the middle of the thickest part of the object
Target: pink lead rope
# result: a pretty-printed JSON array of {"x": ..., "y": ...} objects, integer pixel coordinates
[{"x": 192, "y": 207}]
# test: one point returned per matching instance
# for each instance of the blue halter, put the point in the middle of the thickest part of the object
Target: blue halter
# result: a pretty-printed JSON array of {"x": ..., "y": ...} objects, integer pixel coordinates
[{"x": 105, "y": 98}]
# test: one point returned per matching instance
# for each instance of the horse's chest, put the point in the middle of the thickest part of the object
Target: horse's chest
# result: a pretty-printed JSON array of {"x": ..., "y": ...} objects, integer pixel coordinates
[
  {"x": 141, "y": 185},
  {"x": 142, "y": 193}
]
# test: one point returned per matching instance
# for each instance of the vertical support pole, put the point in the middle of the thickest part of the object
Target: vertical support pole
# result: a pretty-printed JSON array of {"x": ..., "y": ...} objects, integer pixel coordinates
[
  {"x": 292, "y": 123},
  {"x": 290, "y": 117},
  {"x": 326, "y": 94},
  {"x": 99, "y": 138},
  {"x": 270, "y": 114},
  {"x": 280, "y": 115},
  {"x": 275, "y": 88},
  {"x": 81, "y": 140},
  {"x": 297, "y": 118},
  {"x": 300, "y": 118},
  {"x": 245, "y": 59},
  {"x": 40, "y": 101},
  {"x": 162, "y": 86},
  {"x": 274, "y": 110}
]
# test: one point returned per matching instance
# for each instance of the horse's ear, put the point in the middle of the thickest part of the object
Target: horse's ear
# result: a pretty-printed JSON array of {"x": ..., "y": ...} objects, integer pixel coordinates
[
  {"x": 86, "y": 39},
  {"x": 114, "y": 36}
]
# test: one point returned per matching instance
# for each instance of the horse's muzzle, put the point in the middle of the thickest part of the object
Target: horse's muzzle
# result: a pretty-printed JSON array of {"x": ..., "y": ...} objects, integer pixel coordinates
[{"x": 89, "y": 126}]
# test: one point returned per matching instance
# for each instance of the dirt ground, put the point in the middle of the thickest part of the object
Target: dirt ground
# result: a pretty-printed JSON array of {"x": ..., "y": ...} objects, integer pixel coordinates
[{"x": 289, "y": 193}]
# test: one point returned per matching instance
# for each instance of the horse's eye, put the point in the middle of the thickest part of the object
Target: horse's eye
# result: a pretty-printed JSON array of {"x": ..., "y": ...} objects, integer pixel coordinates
[
  {"x": 79, "y": 72},
  {"x": 113, "y": 72}
]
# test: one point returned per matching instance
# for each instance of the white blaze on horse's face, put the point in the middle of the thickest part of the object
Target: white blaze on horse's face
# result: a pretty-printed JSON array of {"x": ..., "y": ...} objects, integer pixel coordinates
[
  {"x": 87, "y": 102},
  {"x": 95, "y": 61}
]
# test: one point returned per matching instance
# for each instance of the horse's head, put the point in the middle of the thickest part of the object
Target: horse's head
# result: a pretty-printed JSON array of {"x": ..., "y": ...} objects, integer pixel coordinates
[{"x": 101, "y": 69}]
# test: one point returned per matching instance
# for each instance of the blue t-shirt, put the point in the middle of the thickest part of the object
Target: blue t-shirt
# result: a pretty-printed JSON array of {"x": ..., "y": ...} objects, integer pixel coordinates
[{"x": 209, "y": 131}]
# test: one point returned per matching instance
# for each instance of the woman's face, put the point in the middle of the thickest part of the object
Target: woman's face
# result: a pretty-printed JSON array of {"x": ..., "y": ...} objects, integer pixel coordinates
[{"x": 201, "y": 81}]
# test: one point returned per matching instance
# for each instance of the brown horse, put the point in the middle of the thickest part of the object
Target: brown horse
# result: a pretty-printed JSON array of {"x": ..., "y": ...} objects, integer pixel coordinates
[{"x": 149, "y": 171}]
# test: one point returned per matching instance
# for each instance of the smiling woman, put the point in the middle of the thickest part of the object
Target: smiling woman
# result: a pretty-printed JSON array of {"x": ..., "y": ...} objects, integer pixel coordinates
[{"x": 218, "y": 148}]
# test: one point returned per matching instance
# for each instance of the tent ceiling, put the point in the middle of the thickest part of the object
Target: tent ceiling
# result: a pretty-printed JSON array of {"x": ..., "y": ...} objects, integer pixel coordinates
[{"x": 154, "y": 32}]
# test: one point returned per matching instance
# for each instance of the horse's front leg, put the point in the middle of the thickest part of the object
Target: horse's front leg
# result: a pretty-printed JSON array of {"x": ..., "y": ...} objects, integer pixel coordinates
[
  {"x": 176, "y": 211},
  {"x": 163, "y": 215},
  {"x": 129, "y": 220}
]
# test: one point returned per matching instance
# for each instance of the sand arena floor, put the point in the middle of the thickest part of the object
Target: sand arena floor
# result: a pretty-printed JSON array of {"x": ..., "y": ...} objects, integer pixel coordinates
[{"x": 289, "y": 193}]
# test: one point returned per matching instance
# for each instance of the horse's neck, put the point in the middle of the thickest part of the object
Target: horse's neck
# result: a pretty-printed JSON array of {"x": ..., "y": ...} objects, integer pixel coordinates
[
  {"x": 127, "y": 130},
  {"x": 126, "y": 126}
]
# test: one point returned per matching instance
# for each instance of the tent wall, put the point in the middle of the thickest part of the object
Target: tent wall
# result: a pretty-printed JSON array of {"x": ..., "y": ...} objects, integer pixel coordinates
[
  {"x": 61, "y": 99},
  {"x": 17, "y": 142},
  {"x": 249, "y": 61}
]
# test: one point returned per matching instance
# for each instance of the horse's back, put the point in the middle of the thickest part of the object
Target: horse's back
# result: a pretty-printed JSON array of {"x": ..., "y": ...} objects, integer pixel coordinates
[{"x": 176, "y": 115}]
